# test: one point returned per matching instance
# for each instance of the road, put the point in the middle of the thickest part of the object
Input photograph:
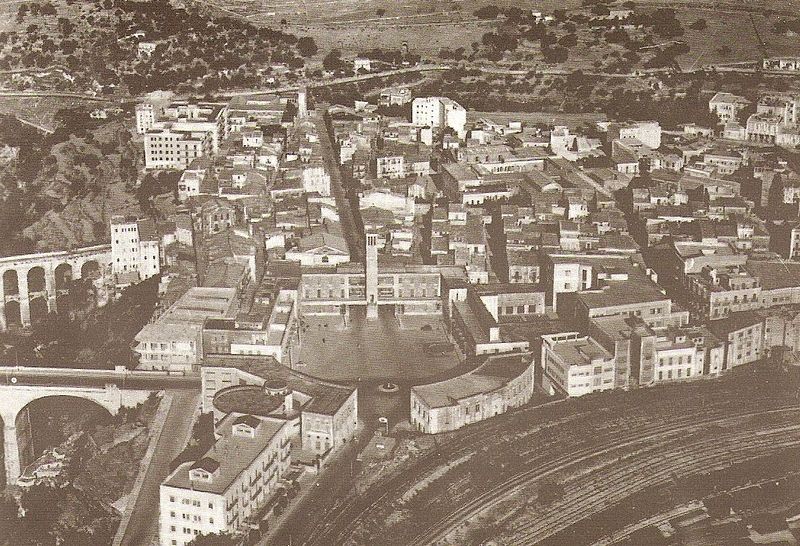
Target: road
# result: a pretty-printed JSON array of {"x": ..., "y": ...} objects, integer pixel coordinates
[
  {"x": 96, "y": 378},
  {"x": 352, "y": 234},
  {"x": 143, "y": 525},
  {"x": 56, "y": 94},
  {"x": 337, "y": 81}
]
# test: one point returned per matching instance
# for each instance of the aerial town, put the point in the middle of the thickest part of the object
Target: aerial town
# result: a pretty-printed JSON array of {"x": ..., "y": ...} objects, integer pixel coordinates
[{"x": 365, "y": 299}]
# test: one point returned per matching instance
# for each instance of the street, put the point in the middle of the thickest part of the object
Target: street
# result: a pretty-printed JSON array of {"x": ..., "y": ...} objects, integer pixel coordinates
[{"x": 143, "y": 525}]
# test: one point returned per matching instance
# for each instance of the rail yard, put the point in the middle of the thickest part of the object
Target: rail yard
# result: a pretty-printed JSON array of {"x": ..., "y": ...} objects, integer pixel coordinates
[{"x": 548, "y": 474}]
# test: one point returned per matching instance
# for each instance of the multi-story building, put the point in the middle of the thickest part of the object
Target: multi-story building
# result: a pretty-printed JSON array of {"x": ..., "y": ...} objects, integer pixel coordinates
[
  {"x": 499, "y": 384},
  {"x": 645, "y": 132},
  {"x": 323, "y": 415},
  {"x": 575, "y": 364},
  {"x": 409, "y": 289},
  {"x": 439, "y": 112},
  {"x": 716, "y": 292},
  {"x": 145, "y": 117},
  {"x": 184, "y": 132},
  {"x": 270, "y": 330},
  {"x": 173, "y": 341},
  {"x": 727, "y": 106},
  {"x": 395, "y": 96},
  {"x": 229, "y": 484},
  {"x": 135, "y": 249},
  {"x": 169, "y": 147},
  {"x": 742, "y": 336},
  {"x": 207, "y": 117}
]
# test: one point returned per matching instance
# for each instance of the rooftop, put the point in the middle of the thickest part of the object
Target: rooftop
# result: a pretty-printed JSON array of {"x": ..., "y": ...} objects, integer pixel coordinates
[
  {"x": 326, "y": 397},
  {"x": 234, "y": 454},
  {"x": 493, "y": 374}
]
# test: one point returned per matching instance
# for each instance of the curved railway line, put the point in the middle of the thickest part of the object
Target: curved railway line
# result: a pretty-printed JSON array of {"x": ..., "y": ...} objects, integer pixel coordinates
[
  {"x": 626, "y": 437},
  {"x": 651, "y": 439}
]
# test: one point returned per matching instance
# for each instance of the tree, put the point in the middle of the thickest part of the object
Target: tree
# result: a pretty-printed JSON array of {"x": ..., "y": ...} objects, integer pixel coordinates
[
  {"x": 487, "y": 12},
  {"x": 306, "y": 46},
  {"x": 380, "y": 12},
  {"x": 22, "y": 12},
  {"x": 214, "y": 539},
  {"x": 333, "y": 60},
  {"x": 700, "y": 24}
]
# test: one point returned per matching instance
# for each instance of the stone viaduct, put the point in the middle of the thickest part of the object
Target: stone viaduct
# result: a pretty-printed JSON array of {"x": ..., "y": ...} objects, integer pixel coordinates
[
  {"x": 31, "y": 284},
  {"x": 15, "y": 401}
]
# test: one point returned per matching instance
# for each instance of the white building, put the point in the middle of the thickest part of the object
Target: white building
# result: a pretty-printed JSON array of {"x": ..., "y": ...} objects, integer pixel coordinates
[
  {"x": 727, "y": 106},
  {"x": 316, "y": 179},
  {"x": 135, "y": 249},
  {"x": 145, "y": 49},
  {"x": 575, "y": 364},
  {"x": 499, "y": 384},
  {"x": 362, "y": 63},
  {"x": 167, "y": 147},
  {"x": 439, "y": 112},
  {"x": 145, "y": 117},
  {"x": 174, "y": 340},
  {"x": 229, "y": 484},
  {"x": 190, "y": 183},
  {"x": 645, "y": 132}
]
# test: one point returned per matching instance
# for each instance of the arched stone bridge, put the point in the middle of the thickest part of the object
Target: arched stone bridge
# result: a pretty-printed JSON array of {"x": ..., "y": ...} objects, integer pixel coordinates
[
  {"x": 30, "y": 284},
  {"x": 14, "y": 401}
]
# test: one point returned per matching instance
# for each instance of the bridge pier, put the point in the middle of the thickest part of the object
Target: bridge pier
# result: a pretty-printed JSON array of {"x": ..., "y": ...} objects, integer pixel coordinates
[
  {"x": 17, "y": 433},
  {"x": 50, "y": 288},
  {"x": 13, "y": 467}
]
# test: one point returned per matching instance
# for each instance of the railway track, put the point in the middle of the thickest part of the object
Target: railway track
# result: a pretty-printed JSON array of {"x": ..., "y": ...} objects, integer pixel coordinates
[
  {"x": 544, "y": 469},
  {"x": 621, "y": 484},
  {"x": 609, "y": 414}
]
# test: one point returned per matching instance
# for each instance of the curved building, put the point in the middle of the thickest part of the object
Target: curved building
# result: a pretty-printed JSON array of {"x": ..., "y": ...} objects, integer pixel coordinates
[{"x": 500, "y": 383}]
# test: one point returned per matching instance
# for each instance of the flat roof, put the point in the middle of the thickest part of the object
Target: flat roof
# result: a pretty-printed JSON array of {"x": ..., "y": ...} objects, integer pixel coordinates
[
  {"x": 326, "y": 397},
  {"x": 775, "y": 275},
  {"x": 638, "y": 288},
  {"x": 580, "y": 351}
]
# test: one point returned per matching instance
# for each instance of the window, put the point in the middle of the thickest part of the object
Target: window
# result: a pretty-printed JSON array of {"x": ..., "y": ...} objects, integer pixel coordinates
[{"x": 171, "y": 498}]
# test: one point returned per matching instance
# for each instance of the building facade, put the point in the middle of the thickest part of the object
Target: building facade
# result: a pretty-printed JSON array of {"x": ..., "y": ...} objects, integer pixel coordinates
[
  {"x": 135, "y": 249},
  {"x": 499, "y": 384}
]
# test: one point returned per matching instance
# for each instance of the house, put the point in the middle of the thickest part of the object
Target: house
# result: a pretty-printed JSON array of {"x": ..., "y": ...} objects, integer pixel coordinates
[{"x": 320, "y": 249}]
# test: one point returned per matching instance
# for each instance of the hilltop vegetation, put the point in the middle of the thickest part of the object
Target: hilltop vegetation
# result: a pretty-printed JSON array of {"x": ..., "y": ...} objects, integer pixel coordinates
[
  {"x": 64, "y": 187},
  {"x": 94, "y": 46}
]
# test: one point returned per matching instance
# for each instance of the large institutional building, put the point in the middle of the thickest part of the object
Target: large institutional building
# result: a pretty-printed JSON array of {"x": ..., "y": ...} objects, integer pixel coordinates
[
  {"x": 439, "y": 112},
  {"x": 260, "y": 409},
  {"x": 410, "y": 289},
  {"x": 233, "y": 481},
  {"x": 183, "y": 132}
]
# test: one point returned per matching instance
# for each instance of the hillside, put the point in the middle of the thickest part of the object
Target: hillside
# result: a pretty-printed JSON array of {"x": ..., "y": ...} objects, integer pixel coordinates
[
  {"x": 94, "y": 47},
  {"x": 64, "y": 187}
]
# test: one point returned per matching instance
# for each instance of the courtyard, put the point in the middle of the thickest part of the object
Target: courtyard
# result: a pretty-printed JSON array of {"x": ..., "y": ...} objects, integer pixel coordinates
[{"x": 386, "y": 348}]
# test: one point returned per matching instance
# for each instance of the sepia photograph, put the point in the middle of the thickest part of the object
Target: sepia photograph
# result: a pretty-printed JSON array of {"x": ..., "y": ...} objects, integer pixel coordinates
[{"x": 400, "y": 272}]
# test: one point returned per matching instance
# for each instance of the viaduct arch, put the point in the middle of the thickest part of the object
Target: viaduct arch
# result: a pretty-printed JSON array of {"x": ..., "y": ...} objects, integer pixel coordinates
[
  {"x": 15, "y": 399},
  {"x": 31, "y": 284}
]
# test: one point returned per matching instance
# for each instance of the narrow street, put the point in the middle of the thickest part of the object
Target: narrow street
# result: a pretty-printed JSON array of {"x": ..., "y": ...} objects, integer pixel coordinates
[
  {"x": 353, "y": 235},
  {"x": 143, "y": 526}
]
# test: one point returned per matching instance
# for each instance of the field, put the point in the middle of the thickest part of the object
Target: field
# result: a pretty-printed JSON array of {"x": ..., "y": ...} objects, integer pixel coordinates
[{"x": 356, "y": 25}]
